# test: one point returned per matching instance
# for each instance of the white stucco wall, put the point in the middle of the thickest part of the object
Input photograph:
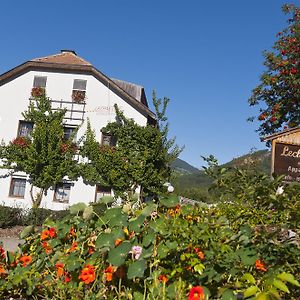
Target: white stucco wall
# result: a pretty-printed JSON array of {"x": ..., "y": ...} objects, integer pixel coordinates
[{"x": 100, "y": 101}]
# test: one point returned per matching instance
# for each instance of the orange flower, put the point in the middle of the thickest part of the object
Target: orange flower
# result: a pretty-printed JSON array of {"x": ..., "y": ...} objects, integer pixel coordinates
[
  {"x": 259, "y": 265},
  {"x": 163, "y": 278},
  {"x": 199, "y": 253},
  {"x": 109, "y": 273},
  {"x": 88, "y": 274},
  {"x": 46, "y": 233},
  {"x": 196, "y": 293},
  {"x": 118, "y": 242},
  {"x": 72, "y": 231},
  {"x": 2, "y": 270},
  {"x": 74, "y": 247},
  {"x": 67, "y": 278},
  {"x": 47, "y": 247},
  {"x": 91, "y": 250},
  {"x": 25, "y": 260},
  {"x": 59, "y": 269}
]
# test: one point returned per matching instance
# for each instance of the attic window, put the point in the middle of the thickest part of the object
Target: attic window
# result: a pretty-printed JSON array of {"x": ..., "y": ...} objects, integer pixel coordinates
[
  {"x": 39, "y": 81},
  {"x": 79, "y": 89},
  {"x": 108, "y": 140}
]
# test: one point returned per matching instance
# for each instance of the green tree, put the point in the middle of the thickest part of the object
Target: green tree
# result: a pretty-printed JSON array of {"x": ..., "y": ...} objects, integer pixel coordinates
[
  {"x": 46, "y": 157},
  {"x": 142, "y": 157},
  {"x": 279, "y": 89}
]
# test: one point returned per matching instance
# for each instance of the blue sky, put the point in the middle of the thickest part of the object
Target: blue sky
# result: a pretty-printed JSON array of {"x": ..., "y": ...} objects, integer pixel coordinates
[{"x": 206, "y": 56}]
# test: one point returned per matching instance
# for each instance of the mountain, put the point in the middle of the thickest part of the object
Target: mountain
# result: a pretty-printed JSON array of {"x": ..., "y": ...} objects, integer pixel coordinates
[
  {"x": 182, "y": 167},
  {"x": 187, "y": 177}
]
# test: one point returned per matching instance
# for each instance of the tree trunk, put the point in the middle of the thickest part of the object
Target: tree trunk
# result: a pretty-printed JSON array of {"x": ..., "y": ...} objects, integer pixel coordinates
[{"x": 37, "y": 198}]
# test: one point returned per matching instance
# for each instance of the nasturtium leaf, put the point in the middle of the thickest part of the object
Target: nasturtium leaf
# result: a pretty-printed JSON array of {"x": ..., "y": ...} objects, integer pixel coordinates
[
  {"x": 136, "y": 225},
  {"x": 150, "y": 207},
  {"x": 137, "y": 269},
  {"x": 88, "y": 213},
  {"x": 148, "y": 239},
  {"x": 76, "y": 208},
  {"x": 171, "y": 245},
  {"x": 117, "y": 256},
  {"x": 107, "y": 199},
  {"x": 251, "y": 291},
  {"x": 112, "y": 213},
  {"x": 138, "y": 296},
  {"x": 170, "y": 201},
  {"x": 162, "y": 250},
  {"x": 262, "y": 296},
  {"x": 228, "y": 295},
  {"x": 120, "y": 221},
  {"x": 26, "y": 231},
  {"x": 105, "y": 240}
]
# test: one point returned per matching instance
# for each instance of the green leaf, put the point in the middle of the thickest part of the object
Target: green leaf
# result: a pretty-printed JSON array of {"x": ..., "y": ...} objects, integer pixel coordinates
[
  {"x": 107, "y": 199},
  {"x": 26, "y": 231},
  {"x": 138, "y": 296},
  {"x": 117, "y": 256},
  {"x": 111, "y": 213},
  {"x": 136, "y": 225},
  {"x": 137, "y": 269},
  {"x": 148, "y": 239},
  {"x": 262, "y": 296},
  {"x": 149, "y": 209},
  {"x": 88, "y": 212},
  {"x": 162, "y": 250},
  {"x": 199, "y": 268},
  {"x": 171, "y": 245},
  {"x": 105, "y": 240},
  {"x": 120, "y": 221},
  {"x": 249, "y": 278},
  {"x": 281, "y": 285},
  {"x": 171, "y": 201},
  {"x": 251, "y": 291},
  {"x": 288, "y": 278},
  {"x": 228, "y": 295},
  {"x": 76, "y": 208}
]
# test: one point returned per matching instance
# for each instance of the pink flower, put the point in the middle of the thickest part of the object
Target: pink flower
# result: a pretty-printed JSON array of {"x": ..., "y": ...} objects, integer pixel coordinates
[{"x": 136, "y": 251}]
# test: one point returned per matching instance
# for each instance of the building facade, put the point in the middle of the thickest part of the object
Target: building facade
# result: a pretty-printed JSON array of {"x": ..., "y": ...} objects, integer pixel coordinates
[{"x": 72, "y": 83}]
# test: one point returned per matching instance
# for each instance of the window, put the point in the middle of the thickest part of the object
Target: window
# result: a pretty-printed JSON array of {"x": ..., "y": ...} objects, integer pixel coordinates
[
  {"x": 108, "y": 140},
  {"x": 25, "y": 129},
  {"x": 102, "y": 191},
  {"x": 17, "y": 187},
  {"x": 62, "y": 192},
  {"x": 68, "y": 131},
  {"x": 39, "y": 81},
  {"x": 79, "y": 89}
]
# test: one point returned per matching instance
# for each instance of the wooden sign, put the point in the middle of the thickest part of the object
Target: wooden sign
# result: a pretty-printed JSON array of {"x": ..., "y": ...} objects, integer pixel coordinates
[{"x": 287, "y": 161}]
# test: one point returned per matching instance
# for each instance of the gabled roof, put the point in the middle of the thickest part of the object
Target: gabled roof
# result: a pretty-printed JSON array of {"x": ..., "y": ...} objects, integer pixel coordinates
[
  {"x": 68, "y": 62},
  {"x": 68, "y": 57},
  {"x": 284, "y": 132}
]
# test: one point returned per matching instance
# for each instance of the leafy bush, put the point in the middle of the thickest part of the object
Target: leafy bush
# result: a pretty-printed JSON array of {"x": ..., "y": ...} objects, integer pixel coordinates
[
  {"x": 247, "y": 248},
  {"x": 37, "y": 216},
  {"x": 10, "y": 216}
]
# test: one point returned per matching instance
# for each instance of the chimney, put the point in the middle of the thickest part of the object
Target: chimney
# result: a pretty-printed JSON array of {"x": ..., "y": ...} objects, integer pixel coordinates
[{"x": 68, "y": 51}]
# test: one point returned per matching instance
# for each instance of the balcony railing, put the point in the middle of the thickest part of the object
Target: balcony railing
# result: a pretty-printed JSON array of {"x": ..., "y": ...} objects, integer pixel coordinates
[{"x": 74, "y": 111}]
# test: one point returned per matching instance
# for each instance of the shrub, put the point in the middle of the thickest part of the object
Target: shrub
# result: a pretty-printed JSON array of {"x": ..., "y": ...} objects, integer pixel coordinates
[
  {"x": 37, "y": 216},
  {"x": 10, "y": 216}
]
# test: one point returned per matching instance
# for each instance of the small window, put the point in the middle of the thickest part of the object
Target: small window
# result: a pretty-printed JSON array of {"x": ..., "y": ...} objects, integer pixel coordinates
[
  {"x": 102, "y": 191},
  {"x": 68, "y": 131},
  {"x": 17, "y": 187},
  {"x": 79, "y": 89},
  {"x": 108, "y": 140},
  {"x": 25, "y": 129},
  {"x": 40, "y": 81},
  {"x": 62, "y": 192}
]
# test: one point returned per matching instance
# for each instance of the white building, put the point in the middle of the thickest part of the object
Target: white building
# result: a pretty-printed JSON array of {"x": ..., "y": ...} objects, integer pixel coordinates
[{"x": 63, "y": 75}]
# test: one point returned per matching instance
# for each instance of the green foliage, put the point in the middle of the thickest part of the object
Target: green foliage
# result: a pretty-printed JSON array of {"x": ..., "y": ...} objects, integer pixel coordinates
[
  {"x": 46, "y": 157},
  {"x": 279, "y": 88},
  {"x": 10, "y": 216},
  {"x": 247, "y": 245},
  {"x": 142, "y": 157}
]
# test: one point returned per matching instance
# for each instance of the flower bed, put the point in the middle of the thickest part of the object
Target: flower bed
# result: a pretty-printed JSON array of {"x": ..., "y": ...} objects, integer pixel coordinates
[{"x": 160, "y": 250}]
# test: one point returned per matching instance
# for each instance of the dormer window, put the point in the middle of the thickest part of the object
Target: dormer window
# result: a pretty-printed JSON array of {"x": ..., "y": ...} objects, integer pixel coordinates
[{"x": 79, "y": 89}]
